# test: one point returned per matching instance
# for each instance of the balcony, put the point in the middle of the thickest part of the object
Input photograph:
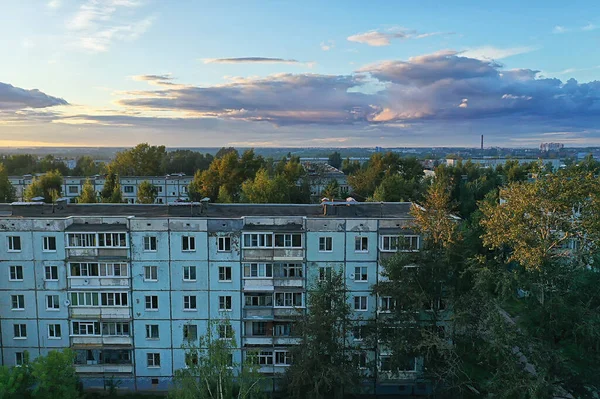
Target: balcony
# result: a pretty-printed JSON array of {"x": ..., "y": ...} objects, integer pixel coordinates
[
  {"x": 105, "y": 313},
  {"x": 104, "y": 368},
  {"x": 288, "y": 312},
  {"x": 273, "y": 254},
  {"x": 95, "y": 282},
  {"x": 296, "y": 282},
  {"x": 84, "y": 340},
  {"x": 258, "y": 340},
  {"x": 113, "y": 253},
  {"x": 284, "y": 341},
  {"x": 258, "y": 313},
  {"x": 258, "y": 284}
]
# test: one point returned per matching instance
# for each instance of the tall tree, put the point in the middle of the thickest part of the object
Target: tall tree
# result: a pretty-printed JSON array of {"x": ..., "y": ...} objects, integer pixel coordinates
[
  {"x": 7, "y": 191},
  {"x": 322, "y": 365},
  {"x": 55, "y": 376},
  {"x": 211, "y": 372},
  {"x": 111, "y": 192},
  {"x": 332, "y": 189},
  {"x": 146, "y": 193},
  {"x": 86, "y": 166},
  {"x": 265, "y": 190},
  {"x": 335, "y": 160},
  {"x": 49, "y": 186},
  {"x": 88, "y": 193},
  {"x": 141, "y": 160}
]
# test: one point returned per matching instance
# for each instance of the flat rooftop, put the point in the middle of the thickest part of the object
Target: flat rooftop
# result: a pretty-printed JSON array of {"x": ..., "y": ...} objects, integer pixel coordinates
[{"x": 358, "y": 210}]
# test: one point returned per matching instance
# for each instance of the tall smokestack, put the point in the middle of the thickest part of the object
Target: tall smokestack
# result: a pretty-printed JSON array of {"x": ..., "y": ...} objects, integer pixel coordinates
[{"x": 482, "y": 142}]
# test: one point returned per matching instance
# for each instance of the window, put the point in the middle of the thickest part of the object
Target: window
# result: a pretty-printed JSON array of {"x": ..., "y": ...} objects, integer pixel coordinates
[
  {"x": 288, "y": 240},
  {"x": 188, "y": 243},
  {"x": 190, "y": 332},
  {"x": 54, "y": 331},
  {"x": 282, "y": 330},
  {"x": 283, "y": 358},
  {"x": 225, "y": 303},
  {"x": 98, "y": 270},
  {"x": 264, "y": 357},
  {"x": 86, "y": 328},
  {"x": 128, "y": 189},
  {"x": 20, "y": 331},
  {"x": 360, "y": 274},
  {"x": 387, "y": 304},
  {"x": 360, "y": 360},
  {"x": 358, "y": 333},
  {"x": 189, "y": 302},
  {"x": 92, "y": 240},
  {"x": 224, "y": 244},
  {"x": 258, "y": 240},
  {"x": 73, "y": 190},
  {"x": 191, "y": 359},
  {"x": 84, "y": 299},
  {"x": 112, "y": 240},
  {"x": 49, "y": 244},
  {"x": 361, "y": 244},
  {"x": 152, "y": 331},
  {"x": 19, "y": 358},
  {"x": 18, "y": 302},
  {"x": 114, "y": 298},
  {"x": 153, "y": 359},
  {"x": 81, "y": 240},
  {"x": 224, "y": 273},
  {"x": 288, "y": 299},
  {"x": 14, "y": 243},
  {"x": 409, "y": 243},
  {"x": 324, "y": 273},
  {"x": 360, "y": 303},
  {"x": 189, "y": 273},
  {"x": 258, "y": 300},
  {"x": 115, "y": 329},
  {"x": 259, "y": 328},
  {"x": 399, "y": 243},
  {"x": 150, "y": 273},
  {"x": 16, "y": 273},
  {"x": 151, "y": 302},
  {"x": 288, "y": 270},
  {"x": 150, "y": 243},
  {"x": 407, "y": 364},
  {"x": 52, "y": 302},
  {"x": 325, "y": 244},
  {"x": 51, "y": 273},
  {"x": 258, "y": 270},
  {"x": 225, "y": 331}
]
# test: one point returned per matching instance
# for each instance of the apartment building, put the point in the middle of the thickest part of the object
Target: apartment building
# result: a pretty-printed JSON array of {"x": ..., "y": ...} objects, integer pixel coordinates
[
  {"x": 126, "y": 286},
  {"x": 170, "y": 187}
]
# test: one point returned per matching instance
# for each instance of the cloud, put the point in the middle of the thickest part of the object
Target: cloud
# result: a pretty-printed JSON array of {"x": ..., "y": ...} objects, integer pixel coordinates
[
  {"x": 589, "y": 27},
  {"x": 54, "y": 4},
  {"x": 559, "y": 29},
  {"x": 15, "y": 98},
  {"x": 328, "y": 45},
  {"x": 99, "y": 23},
  {"x": 495, "y": 53},
  {"x": 250, "y": 60},
  {"x": 378, "y": 38}
]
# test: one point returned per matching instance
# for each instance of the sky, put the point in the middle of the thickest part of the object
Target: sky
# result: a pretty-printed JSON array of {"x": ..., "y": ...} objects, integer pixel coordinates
[{"x": 195, "y": 73}]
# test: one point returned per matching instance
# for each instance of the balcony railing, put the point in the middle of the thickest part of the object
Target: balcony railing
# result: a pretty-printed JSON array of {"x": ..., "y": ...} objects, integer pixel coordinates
[{"x": 104, "y": 368}]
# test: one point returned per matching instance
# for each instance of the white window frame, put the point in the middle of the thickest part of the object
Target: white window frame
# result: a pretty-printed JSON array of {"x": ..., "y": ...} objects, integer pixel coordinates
[
  {"x": 287, "y": 240},
  {"x": 187, "y": 332},
  {"x": 152, "y": 332},
  {"x": 12, "y": 242},
  {"x": 114, "y": 299},
  {"x": 98, "y": 270},
  {"x": 359, "y": 276},
  {"x": 153, "y": 360},
  {"x": 20, "y": 302},
  {"x": 361, "y": 308},
  {"x": 19, "y": 358},
  {"x": 386, "y": 304},
  {"x": 225, "y": 331},
  {"x": 115, "y": 329},
  {"x": 326, "y": 244},
  {"x": 395, "y": 243},
  {"x": 54, "y": 331},
  {"x": 16, "y": 269},
  {"x": 224, "y": 244},
  {"x": 258, "y": 270},
  {"x": 119, "y": 240},
  {"x": 46, "y": 241},
  {"x": 288, "y": 270},
  {"x": 225, "y": 303},
  {"x": 325, "y": 272},
  {"x": 361, "y": 244},
  {"x": 151, "y": 303},
  {"x": 89, "y": 328},
  {"x": 50, "y": 270},
  {"x": 150, "y": 243},
  {"x": 85, "y": 299},
  {"x": 190, "y": 242},
  {"x": 287, "y": 358},
  {"x": 20, "y": 331},
  {"x": 257, "y": 240},
  {"x": 264, "y": 358},
  {"x": 152, "y": 271},
  {"x": 188, "y": 271},
  {"x": 53, "y": 302},
  {"x": 187, "y": 303},
  {"x": 287, "y": 299},
  {"x": 224, "y": 270}
]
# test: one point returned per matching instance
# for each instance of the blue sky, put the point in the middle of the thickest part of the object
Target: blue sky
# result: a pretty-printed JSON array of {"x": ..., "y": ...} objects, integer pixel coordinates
[{"x": 310, "y": 73}]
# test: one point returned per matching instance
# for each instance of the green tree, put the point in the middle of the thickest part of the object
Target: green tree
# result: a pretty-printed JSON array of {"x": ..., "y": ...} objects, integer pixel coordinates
[
  {"x": 111, "y": 192},
  {"x": 335, "y": 160},
  {"x": 7, "y": 191},
  {"x": 146, "y": 193},
  {"x": 264, "y": 190},
  {"x": 16, "y": 382},
  {"x": 141, "y": 160},
  {"x": 86, "y": 166},
  {"x": 212, "y": 373},
  {"x": 49, "y": 186},
  {"x": 332, "y": 190},
  {"x": 88, "y": 193},
  {"x": 322, "y": 365},
  {"x": 55, "y": 376}
]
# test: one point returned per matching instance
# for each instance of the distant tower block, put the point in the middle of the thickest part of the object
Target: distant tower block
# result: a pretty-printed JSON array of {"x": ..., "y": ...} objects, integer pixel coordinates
[{"x": 482, "y": 142}]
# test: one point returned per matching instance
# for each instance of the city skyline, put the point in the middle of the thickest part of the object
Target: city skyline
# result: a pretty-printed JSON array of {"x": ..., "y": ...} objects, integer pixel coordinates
[{"x": 120, "y": 72}]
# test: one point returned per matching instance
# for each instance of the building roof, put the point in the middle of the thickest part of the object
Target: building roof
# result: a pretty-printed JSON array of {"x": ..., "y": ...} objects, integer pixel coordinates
[
  {"x": 357, "y": 210},
  {"x": 96, "y": 228}
]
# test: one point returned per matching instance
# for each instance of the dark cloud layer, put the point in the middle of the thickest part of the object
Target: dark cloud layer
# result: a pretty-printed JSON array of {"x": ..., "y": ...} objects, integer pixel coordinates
[{"x": 14, "y": 98}]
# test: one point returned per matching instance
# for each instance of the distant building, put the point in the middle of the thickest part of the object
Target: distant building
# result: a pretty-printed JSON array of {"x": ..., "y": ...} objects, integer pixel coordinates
[
  {"x": 546, "y": 147},
  {"x": 170, "y": 187},
  {"x": 494, "y": 162},
  {"x": 320, "y": 175}
]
